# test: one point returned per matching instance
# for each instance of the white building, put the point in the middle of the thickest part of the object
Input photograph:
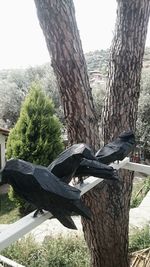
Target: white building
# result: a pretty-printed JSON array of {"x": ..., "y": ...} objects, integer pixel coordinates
[{"x": 3, "y": 137}]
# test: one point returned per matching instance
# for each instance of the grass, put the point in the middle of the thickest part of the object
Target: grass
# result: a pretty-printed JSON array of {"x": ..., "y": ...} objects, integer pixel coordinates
[
  {"x": 136, "y": 198},
  {"x": 9, "y": 213},
  {"x": 140, "y": 239}
]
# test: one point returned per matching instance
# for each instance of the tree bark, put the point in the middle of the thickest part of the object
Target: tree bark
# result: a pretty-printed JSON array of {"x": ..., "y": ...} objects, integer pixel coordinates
[
  {"x": 107, "y": 233},
  {"x": 57, "y": 20},
  {"x": 123, "y": 88},
  {"x": 110, "y": 243}
]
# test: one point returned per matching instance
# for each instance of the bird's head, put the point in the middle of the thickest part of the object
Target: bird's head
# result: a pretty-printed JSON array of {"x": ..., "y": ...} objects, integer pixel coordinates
[{"x": 127, "y": 135}]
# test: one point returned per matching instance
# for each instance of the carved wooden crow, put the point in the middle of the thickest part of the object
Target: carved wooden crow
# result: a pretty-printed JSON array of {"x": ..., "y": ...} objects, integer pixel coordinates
[
  {"x": 78, "y": 160},
  {"x": 37, "y": 185},
  {"x": 66, "y": 164},
  {"x": 117, "y": 149}
]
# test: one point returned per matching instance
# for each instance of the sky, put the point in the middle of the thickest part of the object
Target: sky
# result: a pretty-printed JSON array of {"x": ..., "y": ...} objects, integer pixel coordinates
[{"x": 22, "y": 42}]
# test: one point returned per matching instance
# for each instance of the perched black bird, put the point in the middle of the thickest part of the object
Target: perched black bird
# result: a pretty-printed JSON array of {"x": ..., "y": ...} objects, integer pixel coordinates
[
  {"x": 66, "y": 164},
  {"x": 37, "y": 185},
  {"x": 97, "y": 169},
  {"x": 117, "y": 149}
]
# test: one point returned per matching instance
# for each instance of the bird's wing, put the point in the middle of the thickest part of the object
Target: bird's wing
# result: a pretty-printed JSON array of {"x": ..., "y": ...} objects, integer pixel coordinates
[
  {"x": 97, "y": 169},
  {"x": 52, "y": 184},
  {"x": 76, "y": 149},
  {"x": 79, "y": 151},
  {"x": 107, "y": 150}
]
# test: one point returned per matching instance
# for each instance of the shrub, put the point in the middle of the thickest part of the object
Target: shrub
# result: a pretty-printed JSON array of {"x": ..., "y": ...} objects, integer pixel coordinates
[
  {"x": 23, "y": 206},
  {"x": 137, "y": 198},
  {"x": 36, "y": 136},
  {"x": 67, "y": 252},
  {"x": 54, "y": 252},
  {"x": 8, "y": 210},
  {"x": 147, "y": 185},
  {"x": 64, "y": 251},
  {"x": 26, "y": 252},
  {"x": 140, "y": 239}
]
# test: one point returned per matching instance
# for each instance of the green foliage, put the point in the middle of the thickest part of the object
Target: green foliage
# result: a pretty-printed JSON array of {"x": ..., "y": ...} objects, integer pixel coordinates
[
  {"x": 69, "y": 252},
  {"x": 25, "y": 252},
  {"x": 64, "y": 251},
  {"x": 136, "y": 198},
  {"x": 98, "y": 92},
  {"x": 36, "y": 136},
  {"x": 143, "y": 125},
  {"x": 98, "y": 60},
  {"x": 147, "y": 185},
  {"x": 8, "y": 211},
  {"x": 14, "y": 85},
  {"x": 54, "y": 252},
  {"x": 140, "y": 239},
  {"x": 135, "y": 202},
  {"x": 22, "y": 206}
]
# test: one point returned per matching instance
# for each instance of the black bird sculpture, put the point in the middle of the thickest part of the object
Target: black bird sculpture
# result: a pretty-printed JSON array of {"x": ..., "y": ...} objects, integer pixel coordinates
[
  {"x": 37, "y": 185},
  {"x": 117, "y": 149},
  {"x": 78, "y": 160},
  {"x": 66, "y": 164},
  {"x": 96, "y": 169}
]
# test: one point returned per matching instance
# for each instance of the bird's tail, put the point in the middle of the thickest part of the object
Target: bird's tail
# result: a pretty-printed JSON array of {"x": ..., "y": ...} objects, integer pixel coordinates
[
  {"x": 66, "y": 220},
  {"x": 81, "y": 209}
]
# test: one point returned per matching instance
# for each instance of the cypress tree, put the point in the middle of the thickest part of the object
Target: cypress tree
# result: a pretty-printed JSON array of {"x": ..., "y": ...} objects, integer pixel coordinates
[{"x": 36, "y": 136}]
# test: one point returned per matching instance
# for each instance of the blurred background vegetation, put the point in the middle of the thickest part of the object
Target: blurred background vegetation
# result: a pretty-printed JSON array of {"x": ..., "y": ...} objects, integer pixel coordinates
[{"x": 15, "y": 84}]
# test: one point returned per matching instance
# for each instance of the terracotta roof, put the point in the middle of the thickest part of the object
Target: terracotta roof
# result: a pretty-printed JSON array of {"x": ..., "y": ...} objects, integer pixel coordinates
[{"x": 4, "y": 131}]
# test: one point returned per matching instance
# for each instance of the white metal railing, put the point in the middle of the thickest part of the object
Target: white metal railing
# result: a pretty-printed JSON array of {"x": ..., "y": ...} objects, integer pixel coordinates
[
  {"x": 4, "y": 260},
  {"x": 18, "y": 229}
]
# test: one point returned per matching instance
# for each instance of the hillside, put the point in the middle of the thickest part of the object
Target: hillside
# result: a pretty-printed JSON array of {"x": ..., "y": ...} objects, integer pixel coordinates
[
  {"x": 97, "y": 60},
  {"x": 14, "y": 84}
]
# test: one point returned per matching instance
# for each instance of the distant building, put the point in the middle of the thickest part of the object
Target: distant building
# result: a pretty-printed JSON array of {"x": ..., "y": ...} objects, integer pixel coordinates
[
  {"x": 96, "y": 77},
  {"x": 3, "y": 137}
]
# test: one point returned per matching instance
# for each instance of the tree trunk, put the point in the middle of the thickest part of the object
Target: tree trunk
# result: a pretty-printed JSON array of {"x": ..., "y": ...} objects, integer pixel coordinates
[
  {"x": 110, "y": 243},
  {"x": 57, "y": 20},
  {"x": 107, "y": 233},
  {"x": 123, "y": 88}
]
